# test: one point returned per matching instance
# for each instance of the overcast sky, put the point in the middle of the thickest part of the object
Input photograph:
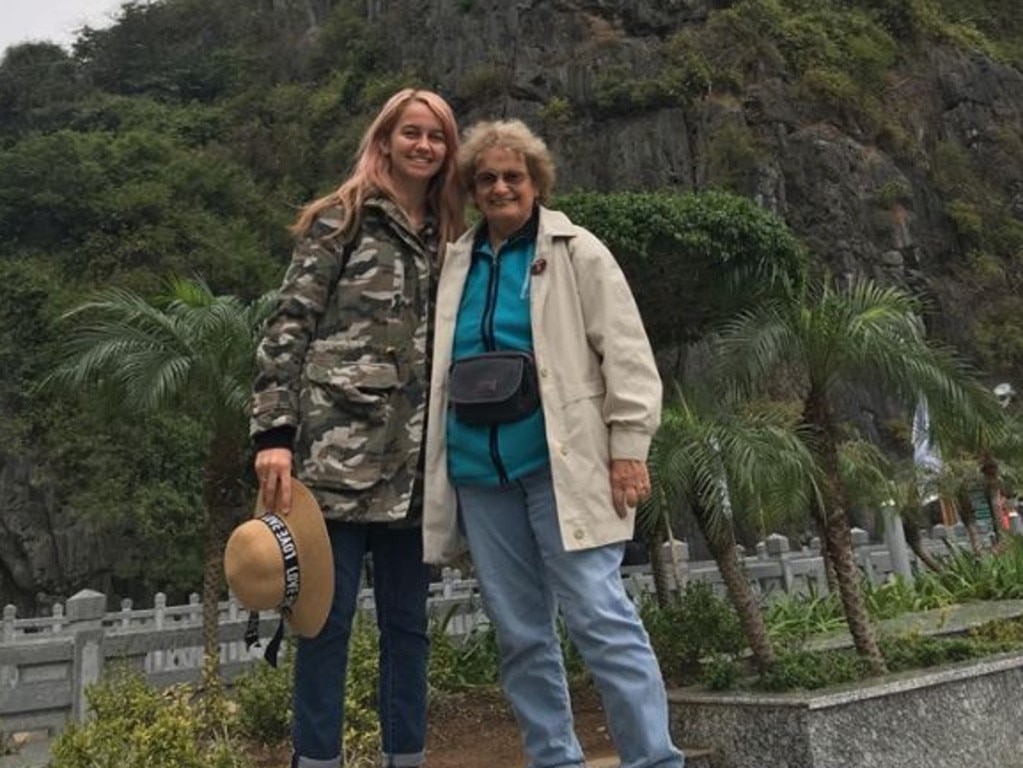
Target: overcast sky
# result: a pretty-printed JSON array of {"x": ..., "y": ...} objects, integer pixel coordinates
[{"x": 53, "y": 20}]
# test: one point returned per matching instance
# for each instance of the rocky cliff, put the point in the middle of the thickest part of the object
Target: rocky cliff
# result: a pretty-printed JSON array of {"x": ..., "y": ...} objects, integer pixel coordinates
[{"x": 893, "y": 152}]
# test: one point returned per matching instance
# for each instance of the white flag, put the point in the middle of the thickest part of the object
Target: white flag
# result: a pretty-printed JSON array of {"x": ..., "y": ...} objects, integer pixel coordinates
[{"x": 925, "y": 453}]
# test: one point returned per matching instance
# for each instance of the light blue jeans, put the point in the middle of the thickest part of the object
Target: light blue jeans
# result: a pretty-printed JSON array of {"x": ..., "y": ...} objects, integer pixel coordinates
[{"x": 525, "y": 576}]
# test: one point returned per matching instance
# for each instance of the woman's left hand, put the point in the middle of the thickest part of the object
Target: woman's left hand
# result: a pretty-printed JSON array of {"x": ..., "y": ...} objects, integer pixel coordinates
[{"x": 630, "y": 484}]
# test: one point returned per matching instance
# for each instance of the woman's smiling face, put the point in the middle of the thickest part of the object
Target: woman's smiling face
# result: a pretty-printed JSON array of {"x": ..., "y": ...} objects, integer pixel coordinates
[
  {"x": 417, "y": 145},
  {"x": 503, "y": 190}
]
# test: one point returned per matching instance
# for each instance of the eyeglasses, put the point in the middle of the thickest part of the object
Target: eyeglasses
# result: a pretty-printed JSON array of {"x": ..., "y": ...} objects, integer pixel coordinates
[{"x": 487, "y": 179}]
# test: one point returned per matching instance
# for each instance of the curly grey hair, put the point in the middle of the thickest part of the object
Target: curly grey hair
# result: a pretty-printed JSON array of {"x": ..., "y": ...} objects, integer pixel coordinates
[{"x": 515, "y": 136}]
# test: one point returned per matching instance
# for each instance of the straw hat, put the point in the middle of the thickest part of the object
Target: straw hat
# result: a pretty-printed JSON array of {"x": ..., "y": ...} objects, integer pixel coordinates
[{"x": 284, "y": 562}]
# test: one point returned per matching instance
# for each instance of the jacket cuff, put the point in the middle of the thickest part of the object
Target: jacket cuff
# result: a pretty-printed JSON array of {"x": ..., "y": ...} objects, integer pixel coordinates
[
  {"x": 276, "y": 437},
  {"x": 629, "y": 444}
]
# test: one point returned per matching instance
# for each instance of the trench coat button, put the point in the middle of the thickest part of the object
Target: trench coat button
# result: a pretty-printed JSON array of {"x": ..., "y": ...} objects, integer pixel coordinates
[
  {"x": 580, "y": 533},
  {"x": 543, "y": 373},
  {"x": 564, "y": 450}
]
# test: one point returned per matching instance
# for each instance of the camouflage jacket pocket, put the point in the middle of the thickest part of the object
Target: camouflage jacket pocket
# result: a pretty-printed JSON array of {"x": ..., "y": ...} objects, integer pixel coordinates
[
  {"x": 334, "y": 381},
  {"x": 360, "y": 385},
  {"x": 347, "y": 408}
]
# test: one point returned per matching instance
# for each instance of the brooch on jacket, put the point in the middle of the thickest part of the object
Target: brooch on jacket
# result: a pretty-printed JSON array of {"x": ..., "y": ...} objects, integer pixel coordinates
[{"x": 538, "y": 266}]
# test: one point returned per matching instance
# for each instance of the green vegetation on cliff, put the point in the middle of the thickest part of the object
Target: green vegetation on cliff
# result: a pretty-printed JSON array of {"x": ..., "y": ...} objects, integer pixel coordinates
[{"x": 180, "y": 141}]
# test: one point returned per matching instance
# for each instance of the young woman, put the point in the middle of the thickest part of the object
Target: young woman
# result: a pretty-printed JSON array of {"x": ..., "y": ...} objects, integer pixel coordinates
[{"x": 340, "y": 401}]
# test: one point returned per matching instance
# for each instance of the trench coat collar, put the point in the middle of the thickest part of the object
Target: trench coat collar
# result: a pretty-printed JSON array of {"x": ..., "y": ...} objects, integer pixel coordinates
[{"x": 553, "y": 225}]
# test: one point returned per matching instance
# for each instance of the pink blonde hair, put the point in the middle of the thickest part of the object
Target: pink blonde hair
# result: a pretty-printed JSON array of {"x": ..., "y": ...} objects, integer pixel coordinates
[{"x": 372, "y": 172}]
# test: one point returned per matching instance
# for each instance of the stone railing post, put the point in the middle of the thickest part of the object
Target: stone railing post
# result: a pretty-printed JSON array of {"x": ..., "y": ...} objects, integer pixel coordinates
[
  {"x": 159, "y": 617},
  {"x": 8, "y": 675},
  {"x": 58, "y": 618},
  {"x": 860, "y": 540},
  {"x": 676, "y": 560},
  {"x": 448, "y": 576},
  {"x": 895, "y": 538},
  {"x": 778, "y": 548},
  {"x": 85, "y": 618},
  {"x": 10, "y": 614}
]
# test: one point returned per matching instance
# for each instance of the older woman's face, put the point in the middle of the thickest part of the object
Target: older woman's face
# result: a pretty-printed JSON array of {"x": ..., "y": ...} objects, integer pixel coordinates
[{"x": 503, "y": 190}]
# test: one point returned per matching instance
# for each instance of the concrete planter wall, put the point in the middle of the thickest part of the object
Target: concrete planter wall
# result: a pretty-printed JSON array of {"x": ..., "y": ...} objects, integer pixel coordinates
[{"x": 959, "y": 716}]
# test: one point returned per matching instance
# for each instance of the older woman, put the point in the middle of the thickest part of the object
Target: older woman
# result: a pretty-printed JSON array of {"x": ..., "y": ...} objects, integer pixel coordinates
[{"x": 544, "y": 399}]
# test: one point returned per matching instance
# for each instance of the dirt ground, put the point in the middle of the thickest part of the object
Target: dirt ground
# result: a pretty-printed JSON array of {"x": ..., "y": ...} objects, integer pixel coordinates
[{"x": 475, "y": 729}]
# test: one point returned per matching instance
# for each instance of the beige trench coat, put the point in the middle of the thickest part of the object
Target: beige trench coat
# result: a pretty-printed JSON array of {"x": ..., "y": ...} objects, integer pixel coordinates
[{"x": 598, "y": 382}]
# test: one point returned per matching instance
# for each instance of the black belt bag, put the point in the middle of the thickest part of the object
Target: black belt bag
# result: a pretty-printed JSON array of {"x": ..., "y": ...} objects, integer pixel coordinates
[{"x": 494, "y": 387}]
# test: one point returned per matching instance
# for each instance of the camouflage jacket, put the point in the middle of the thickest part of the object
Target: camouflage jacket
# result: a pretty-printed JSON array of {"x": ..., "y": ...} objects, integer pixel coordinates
[{"x": 343, "y": 362}]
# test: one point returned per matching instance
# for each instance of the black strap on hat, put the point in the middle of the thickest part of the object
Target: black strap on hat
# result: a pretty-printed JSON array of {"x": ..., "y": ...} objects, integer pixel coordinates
[{"x": 291, "y": 587}]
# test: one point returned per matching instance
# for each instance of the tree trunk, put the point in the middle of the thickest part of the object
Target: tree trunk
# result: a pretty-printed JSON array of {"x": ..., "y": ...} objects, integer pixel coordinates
[
  {"x": 969, "y": 517},
  {"x": 848, "y": 576},
  {"x": 211, "y": 585},
  {"x": 916, "y": 544},
  {"x": 721, "y": 540},
  {"x": 993, "y": 490},
  {"x": 223, "y": 493},
  {"x": 837, "y": 535},
  {"x": 829, "y": 565},
  {"x": 662, "y": 565}
]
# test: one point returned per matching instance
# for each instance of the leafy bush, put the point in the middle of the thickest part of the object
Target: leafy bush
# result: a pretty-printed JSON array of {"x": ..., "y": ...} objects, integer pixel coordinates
[
  {"x": 461, "y": 662},
  {"x": 995, "y": 576},
  {"x": 699, "y": 625},
  {"x": 721, "y": 673},
  {"x": 791, "y": 619},
  {"x": 915, "y": 651},
  {"x": 809, "y": 670},
  {"x": 263, "y": 695},
  {"x": 557, "y": 112},
  {"x": 899, "y": 595},
  {"x": 133, "y": 725},
  {"x": 692, "y": 259},
  {"x": 362, "y": 726}
]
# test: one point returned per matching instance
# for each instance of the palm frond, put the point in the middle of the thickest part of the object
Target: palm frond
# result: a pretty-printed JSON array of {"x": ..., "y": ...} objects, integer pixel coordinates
[{"x": 190, "y": 348}]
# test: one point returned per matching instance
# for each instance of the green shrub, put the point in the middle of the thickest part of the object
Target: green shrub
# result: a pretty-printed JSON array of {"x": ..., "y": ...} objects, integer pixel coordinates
[
  {"x": 721, "y": 673},
  {"x": 893, "y": 192},
  {"x": 6, "y": 746},
  {"x": 915, "y": 651},
  {"x": 133, "y": 725},
  {"x": 557, "y": 112},
  {"x": 699, "y": 625},
  {"x": 995, "y": 576},
  {"x": 732, "y": 158},
  {"x": 791, "y": 619},
  {"x": 457, "y": 663},
  {"x": 810, "y": 670},
  {"x": 263, "y": 695},
  {"x": 362, "y": 726}
]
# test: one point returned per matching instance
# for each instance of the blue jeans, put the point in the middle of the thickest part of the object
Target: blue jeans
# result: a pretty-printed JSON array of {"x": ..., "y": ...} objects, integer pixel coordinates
[
  {"x": 400, "y": 585},
  {"x": 525, "y": 576}
]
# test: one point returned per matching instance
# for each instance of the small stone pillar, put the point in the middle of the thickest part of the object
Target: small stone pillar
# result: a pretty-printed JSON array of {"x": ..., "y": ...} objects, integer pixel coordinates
[
  {"x": 85, "y": 618},
  {"x": 779, "y": 548},
  {"x": 675, "y": 559},
  {"x": 895, "y": 538}
]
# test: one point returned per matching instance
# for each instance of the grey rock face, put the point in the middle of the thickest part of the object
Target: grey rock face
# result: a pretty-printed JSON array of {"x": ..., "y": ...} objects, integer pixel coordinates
[{"x": 864, "y": 204}]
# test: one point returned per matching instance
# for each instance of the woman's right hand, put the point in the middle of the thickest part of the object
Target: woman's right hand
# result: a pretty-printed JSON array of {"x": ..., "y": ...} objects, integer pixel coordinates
[{"x": 273, "y": 468}]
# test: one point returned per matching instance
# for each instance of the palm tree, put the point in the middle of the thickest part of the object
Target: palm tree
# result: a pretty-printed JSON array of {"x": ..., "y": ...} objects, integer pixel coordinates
[
  {"x": 991, "y": 448},
  {"x": 708, "y": 456},
  {"x": 829, "y": 336},
  {"x": 191, "y": 352},
  {"x": 958, "y": 477}
]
